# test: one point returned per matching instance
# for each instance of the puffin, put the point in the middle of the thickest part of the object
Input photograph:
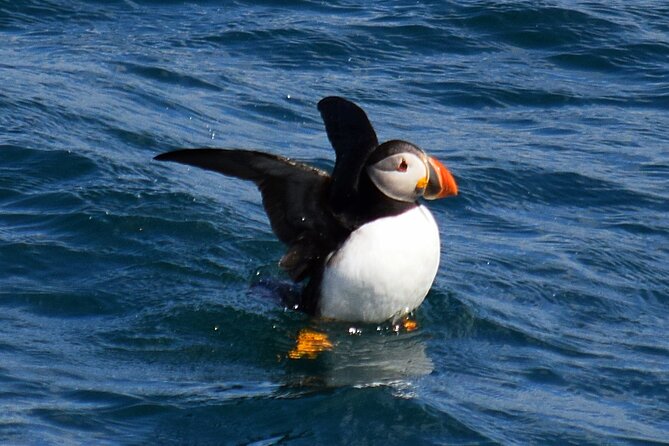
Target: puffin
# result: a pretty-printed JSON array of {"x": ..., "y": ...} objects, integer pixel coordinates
[{"x": 359, "y": 238}]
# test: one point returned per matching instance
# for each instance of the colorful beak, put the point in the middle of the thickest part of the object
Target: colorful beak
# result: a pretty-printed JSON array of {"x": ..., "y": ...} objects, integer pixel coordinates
[{"x": 441, "y": 182}]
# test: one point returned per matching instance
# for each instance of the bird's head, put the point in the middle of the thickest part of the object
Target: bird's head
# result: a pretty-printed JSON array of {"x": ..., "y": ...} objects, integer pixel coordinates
[{"x": 402, "y": 171}]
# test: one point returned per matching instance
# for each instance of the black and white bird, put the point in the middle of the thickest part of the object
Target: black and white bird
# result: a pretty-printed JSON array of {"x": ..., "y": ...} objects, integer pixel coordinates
[{"x": 367, "y": 248}]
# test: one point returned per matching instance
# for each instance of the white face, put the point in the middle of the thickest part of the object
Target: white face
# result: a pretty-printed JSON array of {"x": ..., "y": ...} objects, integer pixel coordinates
[{"x": 402, "y": 176}]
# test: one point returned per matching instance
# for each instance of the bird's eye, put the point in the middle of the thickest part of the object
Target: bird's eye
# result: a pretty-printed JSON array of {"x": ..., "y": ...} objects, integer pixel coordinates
[{"x": 403, "y": 166}]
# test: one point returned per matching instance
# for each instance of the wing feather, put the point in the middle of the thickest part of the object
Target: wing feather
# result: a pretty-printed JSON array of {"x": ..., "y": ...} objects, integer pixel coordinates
[
  {"x": 294, "y": 195},
  {"x": 353, "y": 139}
]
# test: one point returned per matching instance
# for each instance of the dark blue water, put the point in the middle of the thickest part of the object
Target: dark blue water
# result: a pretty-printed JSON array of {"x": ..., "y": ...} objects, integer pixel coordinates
[{"x": 138, "y": 300}]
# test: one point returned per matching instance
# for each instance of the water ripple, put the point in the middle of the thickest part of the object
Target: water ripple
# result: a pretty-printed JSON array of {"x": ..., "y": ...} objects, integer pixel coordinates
[{"x": 141, "y": 302}]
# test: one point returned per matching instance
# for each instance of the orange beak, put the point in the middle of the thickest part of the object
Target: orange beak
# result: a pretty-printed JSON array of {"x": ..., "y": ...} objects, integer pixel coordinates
[{"x": 441, "y": 182}]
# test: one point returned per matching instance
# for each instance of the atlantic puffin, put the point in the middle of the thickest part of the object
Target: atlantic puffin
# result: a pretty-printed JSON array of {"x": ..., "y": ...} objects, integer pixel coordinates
[{"x": 367, "y": 249}]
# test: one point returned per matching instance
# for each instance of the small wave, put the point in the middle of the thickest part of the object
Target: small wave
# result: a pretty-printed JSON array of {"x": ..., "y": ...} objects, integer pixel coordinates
[
  {"x": 553, "y": 188},
  {"x": 538, "y": 26},
  {"x": 164, "y": 75}
]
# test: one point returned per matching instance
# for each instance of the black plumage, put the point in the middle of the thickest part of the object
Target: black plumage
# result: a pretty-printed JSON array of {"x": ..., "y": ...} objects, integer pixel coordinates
[{"x": 309, "y": 210}]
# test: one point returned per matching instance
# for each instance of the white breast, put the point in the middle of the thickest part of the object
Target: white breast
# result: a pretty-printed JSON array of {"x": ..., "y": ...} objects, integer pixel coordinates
[{"x": 384, "y": 269}]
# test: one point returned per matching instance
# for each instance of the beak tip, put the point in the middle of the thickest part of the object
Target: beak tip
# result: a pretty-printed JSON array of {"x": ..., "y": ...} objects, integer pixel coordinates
[{"x": 444, "y": 184}]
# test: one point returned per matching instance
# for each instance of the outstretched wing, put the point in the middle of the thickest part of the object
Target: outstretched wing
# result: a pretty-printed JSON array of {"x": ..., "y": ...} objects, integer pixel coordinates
[
  {"x": 294, "y": 196},
  {"x": 353, "y": 138}
]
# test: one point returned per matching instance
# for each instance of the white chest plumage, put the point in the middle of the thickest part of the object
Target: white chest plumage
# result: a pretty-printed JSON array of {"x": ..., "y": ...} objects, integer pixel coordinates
[{"x": 384, "y": 269}]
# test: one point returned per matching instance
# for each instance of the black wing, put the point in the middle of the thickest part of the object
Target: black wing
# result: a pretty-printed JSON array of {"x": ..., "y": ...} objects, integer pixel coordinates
[
  {"x": 294, "y": 196},
  {"x": 353, "y": 138}
]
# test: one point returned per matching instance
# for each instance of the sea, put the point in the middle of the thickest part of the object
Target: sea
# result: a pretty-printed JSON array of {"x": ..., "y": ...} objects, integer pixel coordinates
[{"x": 140, "y": 301}]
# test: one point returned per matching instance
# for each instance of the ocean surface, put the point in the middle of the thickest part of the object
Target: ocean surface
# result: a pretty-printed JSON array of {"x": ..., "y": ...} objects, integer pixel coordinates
[{"x": 139, "y": 301}]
